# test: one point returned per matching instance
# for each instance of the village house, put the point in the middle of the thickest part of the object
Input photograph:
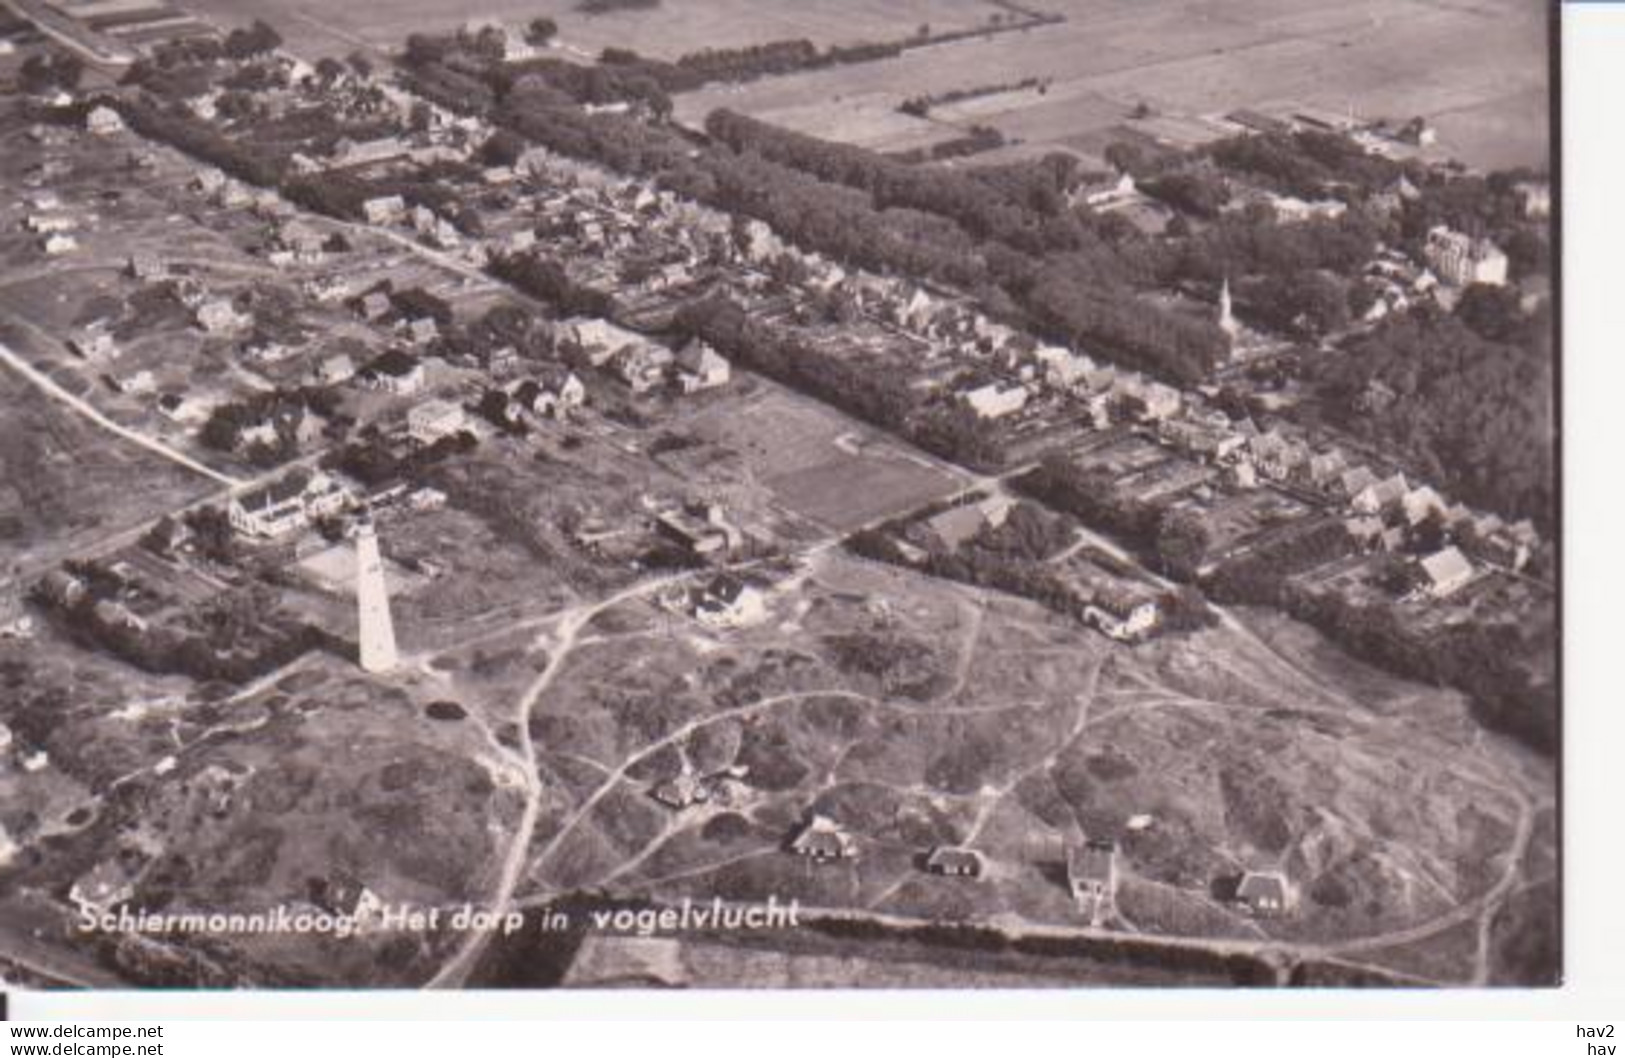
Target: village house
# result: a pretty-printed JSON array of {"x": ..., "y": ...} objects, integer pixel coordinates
[
  {"x": 373, "y": 306},
  {"x": 950, "y": 529},
  {"x": 1421, "y": 502},
  {"x": 385, "y": 209},
  {"x": 994, "y": 400},
  {"x": 264, "y": 349},
  {"x": 503, "y": 361},
  {"x": 1536, "y": 196},
  {"x": 57, "y": 244},
  {"x": 1264, "y": 894},
  {"x": 137, "y": 384},
  {"x": 435, "y": 419},
  {"x": 1122, "y": 613},
  {"x": 183, "y": 408},
  {"x": 62, "y": 588},
  {"x": 146, "y": 266},
  {"x": 94, "y": 346},
  {"x": 701, "y": 367},
  {"x": 823, "y": 841},
  {"x": 103, "y": 121},
  {"x": 1091, "y": 875},
  {"x": 287, "y": 505},
  {"x": 729, "y": 602},
  {"x": 15, "y": 623},
  {"x": 345, "y": 895},
  {"x": 641, "y": 366},
  {"x": 1445, "y": 572},
  {"x": 1381, "y": 495},
  {"x": 219, "y": 316},
  {"x": 700, "y": 529},
  {"x": 1366, "y": 531},
  {"x": 1147, "y": 400},
  {"x": 552, "y": 394},
  {"x": 106, "y": 887},
  {"x": 395, "y": 371},
  {"x": 1353, "y": 482},
  {"x": 598, "y": 341},
  {"x": 1323, "y": 469},
  {"x": 1462, "y": 260},
  {"x": 683, "y": 791},
  {"x": 50, "y": 223},
  {"x": 953, "y": 861},
  {"x": 333, "y": 370}
]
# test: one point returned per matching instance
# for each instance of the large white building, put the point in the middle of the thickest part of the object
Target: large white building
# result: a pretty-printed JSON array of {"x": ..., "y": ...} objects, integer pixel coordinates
[
  {"x": 1462, "y": 260},
  {"x": 286, "y": 505}
]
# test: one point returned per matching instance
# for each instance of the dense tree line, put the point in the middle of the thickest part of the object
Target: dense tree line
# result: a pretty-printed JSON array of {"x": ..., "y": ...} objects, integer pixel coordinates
[
  {"x": 193, "y": 136},
  {"x": 1471, "y": 413},
  {"x": 1491, "y": 662}
]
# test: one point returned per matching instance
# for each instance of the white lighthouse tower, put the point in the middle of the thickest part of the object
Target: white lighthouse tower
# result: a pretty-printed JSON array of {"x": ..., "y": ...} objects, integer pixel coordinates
[{"x": 378, "y": 652}]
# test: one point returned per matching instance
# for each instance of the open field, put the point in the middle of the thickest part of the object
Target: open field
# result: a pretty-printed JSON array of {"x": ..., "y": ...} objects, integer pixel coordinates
[
  {"x": 675, "y": 28},
  {"x": 65, "y": 484},
  {"x": 975, "y": 719},
  {"x": 1478, "y": 70}
]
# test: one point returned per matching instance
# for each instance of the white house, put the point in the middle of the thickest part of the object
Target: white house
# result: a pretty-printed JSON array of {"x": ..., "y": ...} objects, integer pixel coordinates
[
  {"x": 103, "y": 121},
  {"x": 1447, "y": 572},
  {"x": 435, "y": 419},
  {"x": 1460, "y": 259},
  {"x": 1122, "y": 614},
  {"x": 701, "y": 367},
  {"x": 994, "y": 401},
  {"x": 728, "y": 602},
  {"x": 286, "y": 505}
]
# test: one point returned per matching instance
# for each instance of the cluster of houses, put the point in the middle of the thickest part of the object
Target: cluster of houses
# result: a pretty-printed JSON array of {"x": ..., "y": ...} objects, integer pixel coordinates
[{"x": 1091, "y": 868}]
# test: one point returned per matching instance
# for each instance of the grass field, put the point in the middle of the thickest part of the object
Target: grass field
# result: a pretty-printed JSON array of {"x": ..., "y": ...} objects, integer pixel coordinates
[{"x": 820, "y": 464}]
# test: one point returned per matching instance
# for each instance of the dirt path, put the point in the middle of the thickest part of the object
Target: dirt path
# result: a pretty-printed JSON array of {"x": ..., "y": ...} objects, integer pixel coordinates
[{"x": 83, "y": 408}]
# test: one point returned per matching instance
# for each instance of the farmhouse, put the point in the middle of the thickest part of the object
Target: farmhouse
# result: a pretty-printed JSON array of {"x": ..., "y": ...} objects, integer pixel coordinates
[
  {"x": 1265, "y": 894},
  {"x": 954, "y": 862},
  {"x": 433, "y": 420},
  {"x": 823, "y": 841},
  {"x": 57, "y": 243}
]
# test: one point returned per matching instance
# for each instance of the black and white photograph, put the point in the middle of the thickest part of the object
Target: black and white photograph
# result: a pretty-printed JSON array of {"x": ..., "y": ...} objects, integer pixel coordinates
[{"x": 769, "y": 495}]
